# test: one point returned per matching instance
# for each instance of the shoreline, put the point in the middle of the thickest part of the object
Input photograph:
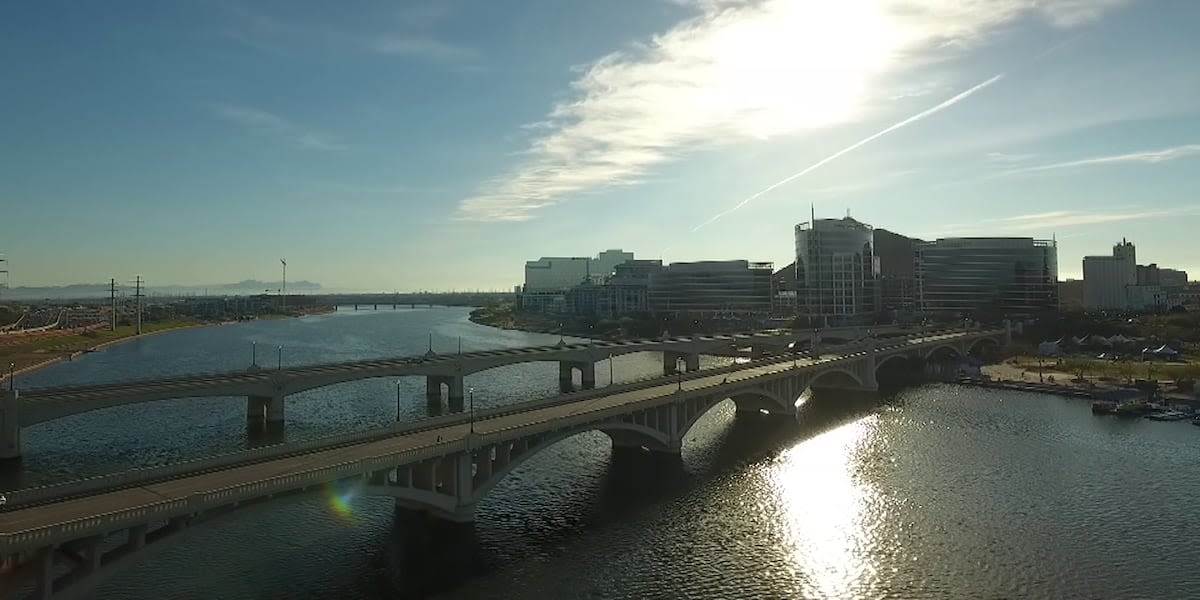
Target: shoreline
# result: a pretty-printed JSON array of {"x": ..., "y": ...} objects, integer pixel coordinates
[{"x": 69, "y": 356}]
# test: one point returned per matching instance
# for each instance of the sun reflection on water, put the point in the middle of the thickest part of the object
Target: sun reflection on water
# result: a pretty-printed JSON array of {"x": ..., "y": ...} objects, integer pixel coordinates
[{"x": 829, "y": 525}]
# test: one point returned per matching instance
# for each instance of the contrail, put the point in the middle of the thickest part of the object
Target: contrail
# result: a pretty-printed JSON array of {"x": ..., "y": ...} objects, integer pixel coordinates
[{"x": 913, "y": 119}]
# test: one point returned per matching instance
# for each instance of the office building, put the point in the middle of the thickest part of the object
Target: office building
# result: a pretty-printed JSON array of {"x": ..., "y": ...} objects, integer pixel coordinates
[
  {"x": 1105, "y": 278},
  {"x": 897, "y": 280},
  {"x": 548, "y": 279},
  {"x": 836, "y": 269},
  {"x": 712, "y": 289},
  {"x": 987, "y": 278}
]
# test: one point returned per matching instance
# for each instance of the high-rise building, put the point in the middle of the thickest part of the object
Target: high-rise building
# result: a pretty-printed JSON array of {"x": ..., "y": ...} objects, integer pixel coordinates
[
  {"x": 897, "y": 281},
  {"x": 987, "y": 278},
  {"x": 548, "y": 279},
  {"x": 1172, "y": 278},
  {"x": 712, "y": 289},
  {"x": 1105, "y": 278},
  {"x": 836, "y": 269}
]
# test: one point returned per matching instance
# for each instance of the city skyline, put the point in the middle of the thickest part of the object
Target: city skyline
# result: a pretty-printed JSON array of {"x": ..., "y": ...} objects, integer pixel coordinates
[{"x": 441, "y": 145}]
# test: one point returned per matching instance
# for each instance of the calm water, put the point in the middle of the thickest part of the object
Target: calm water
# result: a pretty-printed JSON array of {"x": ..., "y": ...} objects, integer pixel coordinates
[{"x": 939, "y": 492}]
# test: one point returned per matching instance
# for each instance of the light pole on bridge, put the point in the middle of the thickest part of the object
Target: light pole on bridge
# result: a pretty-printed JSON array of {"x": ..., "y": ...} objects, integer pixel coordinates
[
  {"x": 12, "y": 370},
  {"x": 254, "y": 353},
  {"x": 792, "y": 347},
  {"x": 397, "y": 400},
  {"x": 471, "y": 405},
  {"x": 679, "y": 366},
  {"x": 279, "y": 365}
]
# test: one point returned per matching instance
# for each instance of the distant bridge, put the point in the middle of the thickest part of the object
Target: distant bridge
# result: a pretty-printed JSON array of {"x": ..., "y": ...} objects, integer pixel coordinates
[{"x": 60, "y": 542}]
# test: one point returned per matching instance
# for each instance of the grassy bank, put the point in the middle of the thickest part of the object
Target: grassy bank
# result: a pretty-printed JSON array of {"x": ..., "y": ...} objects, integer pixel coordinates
[
  {"x": 44, "y": 349},
  {"x": 1114, "y": 370}
]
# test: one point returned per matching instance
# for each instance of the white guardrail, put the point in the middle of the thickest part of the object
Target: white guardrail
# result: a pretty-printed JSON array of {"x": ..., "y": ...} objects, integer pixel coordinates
[{"x": 169, "y": 508}]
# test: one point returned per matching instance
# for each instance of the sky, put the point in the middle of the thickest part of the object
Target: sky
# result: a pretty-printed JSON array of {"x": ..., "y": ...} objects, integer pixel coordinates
[{"x": 438, "y": 145}]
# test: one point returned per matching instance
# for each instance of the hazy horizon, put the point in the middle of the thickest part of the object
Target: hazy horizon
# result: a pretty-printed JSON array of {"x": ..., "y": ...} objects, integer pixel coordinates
[{"x": 429, "y": 144}]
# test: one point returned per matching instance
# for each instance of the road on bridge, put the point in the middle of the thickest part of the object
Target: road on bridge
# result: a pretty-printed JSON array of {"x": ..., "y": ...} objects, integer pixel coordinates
[{"x": 47, "y": 515}]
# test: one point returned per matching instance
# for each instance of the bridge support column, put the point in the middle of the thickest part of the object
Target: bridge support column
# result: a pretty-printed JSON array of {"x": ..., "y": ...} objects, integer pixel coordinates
[
  {"x": 587, "y": 375},
  {"x": 10, "y": 424},
  {"x": 870, "y": 380},
  {"x": 275, "y": 416},
  {"x": 256, "y": 412},
  {"x": 433, "y": 395},
  {"x": 455, "y": 398},
  {"x": 565, "y": 384},
  {"x": 670, "y": 362},
  {"x": 44, "y": 573},
  {"x": 691, "y": 362}
]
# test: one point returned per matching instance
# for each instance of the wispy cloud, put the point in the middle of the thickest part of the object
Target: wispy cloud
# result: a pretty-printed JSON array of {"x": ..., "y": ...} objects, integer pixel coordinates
[
  {"x": 1006, "y": 158},
  {"x": 263, "y": 122},
  {"x": 408, "y": 33},
  {"x": 739, "y": 71},
  {"x": 1144, "y": 157},
  {"x": 1065, "y": 218},
  {"x": 852, "y": 147},
  {"x": 422, "y": 47},
  {"x": 1057, "y": 220}
]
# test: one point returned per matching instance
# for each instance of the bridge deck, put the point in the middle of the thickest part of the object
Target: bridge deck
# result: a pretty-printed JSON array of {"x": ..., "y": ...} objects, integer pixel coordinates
[
  {"x": 179, "y": 489},
  {"x": 21, "y": 519}
]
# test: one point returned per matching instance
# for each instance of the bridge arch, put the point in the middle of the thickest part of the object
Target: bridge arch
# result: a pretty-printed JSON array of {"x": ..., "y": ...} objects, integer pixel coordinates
[
  {"x": 983, "y": 342},
  {"x": 944, "y": 350},
  {"x": 622, "y": 435},
  {"x": 836, "y": 376}
]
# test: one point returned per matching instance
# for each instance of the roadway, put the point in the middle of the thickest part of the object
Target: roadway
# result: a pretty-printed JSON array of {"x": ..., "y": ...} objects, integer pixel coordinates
[
  {"x": 47, "y": 515},
  {"x": 79, "y": 508}
]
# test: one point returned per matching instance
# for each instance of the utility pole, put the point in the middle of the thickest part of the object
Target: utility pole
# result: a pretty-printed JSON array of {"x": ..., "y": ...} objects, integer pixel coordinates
[
  {"x": 283, "y": 296},
  {"x": 3, "y": 271},
  {"x": 112, "y": 298},
  {"x": 137, "y": 294}
]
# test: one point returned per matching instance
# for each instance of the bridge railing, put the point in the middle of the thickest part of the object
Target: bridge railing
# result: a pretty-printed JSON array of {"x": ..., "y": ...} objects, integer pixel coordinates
[
  {"x": 144, "y": 475},
  {"x": 264, "y": 372},
  {"x": 278, "y": 484},
  {"x": 141, "y": 476}
]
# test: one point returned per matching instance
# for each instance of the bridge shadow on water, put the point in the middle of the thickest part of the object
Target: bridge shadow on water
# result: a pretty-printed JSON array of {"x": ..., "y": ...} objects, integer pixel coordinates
[{"x": 427, "y": 556}]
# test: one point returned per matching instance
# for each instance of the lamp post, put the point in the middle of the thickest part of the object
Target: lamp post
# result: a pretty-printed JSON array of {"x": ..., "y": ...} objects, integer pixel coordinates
[
  {"x": 679, "y": 366},
  {"x": 792, "y": 347},
  {"x": 397, "y": 400},
  {"x": 471, "y": 403},
  {"x": 12, "y": 369},
  {"x": 610, "y": 369},
  {"x": 254, "y": 353},
  {"x": 279, "y": 365}
]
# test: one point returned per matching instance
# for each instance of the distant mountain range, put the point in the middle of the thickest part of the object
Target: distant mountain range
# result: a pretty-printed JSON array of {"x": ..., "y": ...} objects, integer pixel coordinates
[{"x": 101, "y": 290}]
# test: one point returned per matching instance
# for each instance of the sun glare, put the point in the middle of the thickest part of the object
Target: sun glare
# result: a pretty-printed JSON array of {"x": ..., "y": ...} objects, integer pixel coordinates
[
  {"x": 826, "y": 511},
  {"x": 797, "y": 65}
]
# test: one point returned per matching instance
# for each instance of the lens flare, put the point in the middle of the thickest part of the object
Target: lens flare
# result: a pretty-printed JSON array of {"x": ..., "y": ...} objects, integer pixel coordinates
[{"x": 340, "y": 500}]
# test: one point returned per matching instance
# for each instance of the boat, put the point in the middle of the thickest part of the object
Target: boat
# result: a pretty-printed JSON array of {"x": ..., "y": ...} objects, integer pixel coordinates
[
  {"x": 1196, "y": 421},
  {"x": 1104, "y": 407}
]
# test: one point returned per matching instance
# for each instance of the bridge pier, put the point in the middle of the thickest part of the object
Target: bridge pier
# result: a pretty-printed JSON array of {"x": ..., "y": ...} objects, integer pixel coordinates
[
  {"x": 566, "y": 372},
  {"x": 10, "y": 424},
  {"x": 433, "y": 393},
  {"x": 691, "y": 362},
  {"x": 264, "y": 414}
]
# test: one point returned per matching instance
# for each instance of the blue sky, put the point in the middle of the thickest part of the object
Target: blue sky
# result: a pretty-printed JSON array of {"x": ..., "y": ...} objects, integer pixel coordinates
[{"x": 439, "y": 145}]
